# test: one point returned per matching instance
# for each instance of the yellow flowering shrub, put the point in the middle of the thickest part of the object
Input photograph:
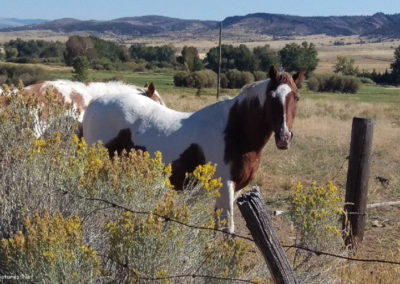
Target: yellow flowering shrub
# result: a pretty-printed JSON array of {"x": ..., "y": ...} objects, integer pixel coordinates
[
  {"x": 204, "y": 175},
  {"x": 25, "y": 178},
  {"x": 159, "y": 244},
  {"x": 129, "y": 224},
  {"x": 226, "y": 258},
  {"x": 51, "y": 249},
  {"x": 316, "y": 213}
]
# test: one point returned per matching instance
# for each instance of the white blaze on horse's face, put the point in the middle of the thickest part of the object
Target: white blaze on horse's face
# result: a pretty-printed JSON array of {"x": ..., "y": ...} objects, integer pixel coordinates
[{"x": 283, "y": 135}]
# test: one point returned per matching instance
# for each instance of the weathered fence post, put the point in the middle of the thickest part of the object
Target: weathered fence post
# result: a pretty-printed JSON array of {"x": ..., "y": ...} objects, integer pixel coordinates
[
  {"x": 357, "y": 179},
  {"x": 253, "y": 210}
]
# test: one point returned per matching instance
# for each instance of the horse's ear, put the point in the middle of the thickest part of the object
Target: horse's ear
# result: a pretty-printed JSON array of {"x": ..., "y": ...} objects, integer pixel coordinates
[
  {"x": 299, "y": 76},
  {"x": 150, "y": 89},
  {"x": 273, "y": 72}
]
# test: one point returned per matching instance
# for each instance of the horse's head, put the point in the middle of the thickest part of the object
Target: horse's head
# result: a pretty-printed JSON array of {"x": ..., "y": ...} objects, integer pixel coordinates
[{"x": 282, "y": 97}]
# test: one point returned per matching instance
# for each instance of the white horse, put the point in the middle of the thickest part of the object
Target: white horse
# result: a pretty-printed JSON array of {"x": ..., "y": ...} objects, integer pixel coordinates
[
  {"x": 80, "y": 94},
  {"x": 230, "y": 133}
]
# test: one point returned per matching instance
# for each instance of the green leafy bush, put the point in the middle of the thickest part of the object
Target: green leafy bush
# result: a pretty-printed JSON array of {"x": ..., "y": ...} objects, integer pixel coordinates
[
  {"x": 334, "y": 83},
  {"x": 260, "y": 75},
  {"x": 204, "y": 79},
  {"x": 237, "y": 79},
  {"x": 198, "y": 79},
  {"x": 12, "y": 74},
  {"x": 224, "y": 81},
  {"x": 183, "y": 79},
  {"x": 366, "y": 80}
]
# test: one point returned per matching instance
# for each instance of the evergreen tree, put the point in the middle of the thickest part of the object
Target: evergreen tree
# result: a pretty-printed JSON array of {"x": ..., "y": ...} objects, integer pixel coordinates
[
  {"x": 81, "y": 68},
  {"x": 395, "y": 66}
]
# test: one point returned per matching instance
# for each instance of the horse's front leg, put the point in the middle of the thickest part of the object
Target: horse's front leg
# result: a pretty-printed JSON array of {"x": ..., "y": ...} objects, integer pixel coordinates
[{"x": 225, "y": 203}]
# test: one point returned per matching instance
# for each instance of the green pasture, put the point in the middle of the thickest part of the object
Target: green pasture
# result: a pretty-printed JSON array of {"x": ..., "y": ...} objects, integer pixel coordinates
[
  {"x": 368, "y": 93},
  {"x": 164, "y": 83},
  {"x": 163, "y": 80}
]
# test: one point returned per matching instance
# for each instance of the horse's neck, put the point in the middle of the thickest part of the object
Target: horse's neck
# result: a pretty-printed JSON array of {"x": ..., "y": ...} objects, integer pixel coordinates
[{"x": 247, "y": 119}]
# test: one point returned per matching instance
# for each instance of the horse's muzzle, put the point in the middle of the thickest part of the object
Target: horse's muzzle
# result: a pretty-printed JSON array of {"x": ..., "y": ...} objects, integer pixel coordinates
[{"x": 283, "y": 139}]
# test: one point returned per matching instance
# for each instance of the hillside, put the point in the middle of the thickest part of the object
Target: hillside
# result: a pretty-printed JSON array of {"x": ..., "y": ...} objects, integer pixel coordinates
[
  {"x": 377, "y": 25},
  {"x": 130, "y": 26}
]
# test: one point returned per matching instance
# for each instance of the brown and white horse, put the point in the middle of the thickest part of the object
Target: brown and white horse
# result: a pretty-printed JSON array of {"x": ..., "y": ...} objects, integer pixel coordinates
[
  {"x": 80, "y": 94},
  {"x": 230, "y": 133}
]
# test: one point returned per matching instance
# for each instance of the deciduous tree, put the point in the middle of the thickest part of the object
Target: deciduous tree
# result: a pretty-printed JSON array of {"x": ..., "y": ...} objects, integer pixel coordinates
[
  {"x": 296, "y": 57},
  {"x": 346, "y": 66}
]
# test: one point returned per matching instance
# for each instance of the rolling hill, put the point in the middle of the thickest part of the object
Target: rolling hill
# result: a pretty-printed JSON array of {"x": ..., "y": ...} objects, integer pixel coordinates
[{"x": 377, "y": 25}]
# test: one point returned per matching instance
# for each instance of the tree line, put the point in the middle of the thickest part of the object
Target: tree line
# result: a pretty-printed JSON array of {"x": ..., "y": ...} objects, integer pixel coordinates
[
  {"x": 103, "y": 54},
  {"x": 239, "y": 63}
]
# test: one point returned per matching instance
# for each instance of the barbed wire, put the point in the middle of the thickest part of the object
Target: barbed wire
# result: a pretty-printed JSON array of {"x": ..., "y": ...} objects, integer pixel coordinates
[
  {"x": 318, "y": 253},
  {"x": 340, "y": 168},
  {"x": 168, "y": 277},
  {"x": 169, "y": 219},
  {"x": 196, "y": 276}
]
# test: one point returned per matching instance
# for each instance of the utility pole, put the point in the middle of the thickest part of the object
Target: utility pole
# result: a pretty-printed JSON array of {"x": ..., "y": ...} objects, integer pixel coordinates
[{"x": 219, "y": 61}]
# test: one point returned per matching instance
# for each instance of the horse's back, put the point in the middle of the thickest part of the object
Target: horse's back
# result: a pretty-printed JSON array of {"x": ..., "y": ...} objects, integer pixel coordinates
[{"x": 106, "y": 116}]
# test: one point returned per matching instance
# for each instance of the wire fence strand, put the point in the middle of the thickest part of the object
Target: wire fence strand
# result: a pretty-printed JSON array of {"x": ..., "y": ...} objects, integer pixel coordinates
[{"x": 234, "y": 235}]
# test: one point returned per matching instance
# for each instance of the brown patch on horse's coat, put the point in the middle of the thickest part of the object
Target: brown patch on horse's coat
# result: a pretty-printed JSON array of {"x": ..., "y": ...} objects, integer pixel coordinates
[
  {"x": 186, "y": 163},
  {"x": 77, "y": 98},
  {"x": 123, "y": 141},
  {"x": 245, "y": 136},
  {"x": 247, "y": 130}
]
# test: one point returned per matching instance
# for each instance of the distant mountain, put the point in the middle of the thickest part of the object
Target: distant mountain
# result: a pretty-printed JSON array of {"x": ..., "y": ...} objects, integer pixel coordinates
[
  {"x": 12, "y": 22},
  {"x": 132, "y": 26},
  {"x": 378, "y": 24},
  {"x": 250, "y": 25}
]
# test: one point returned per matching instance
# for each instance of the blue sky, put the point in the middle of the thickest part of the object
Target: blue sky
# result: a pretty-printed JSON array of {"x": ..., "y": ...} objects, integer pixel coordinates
[{"x": 187, "y": 9}]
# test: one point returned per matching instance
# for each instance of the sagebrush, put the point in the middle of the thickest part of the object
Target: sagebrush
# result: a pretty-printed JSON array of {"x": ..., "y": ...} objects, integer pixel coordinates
[{"x": 69, "y": 213}]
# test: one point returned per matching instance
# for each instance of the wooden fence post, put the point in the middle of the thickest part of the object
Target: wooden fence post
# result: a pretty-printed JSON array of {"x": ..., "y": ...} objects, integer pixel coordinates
[
  {"x": 253, "y": 210},
  {"x": 357, "y": 179}
]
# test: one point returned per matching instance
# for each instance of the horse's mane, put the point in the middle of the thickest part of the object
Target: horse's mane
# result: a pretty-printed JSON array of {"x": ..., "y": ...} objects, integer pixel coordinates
[{"x": 94, "y": 87}]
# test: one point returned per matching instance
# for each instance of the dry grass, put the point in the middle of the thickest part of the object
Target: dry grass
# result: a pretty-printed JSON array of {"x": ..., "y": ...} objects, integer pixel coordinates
[{"x": 318, "y": 153}]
